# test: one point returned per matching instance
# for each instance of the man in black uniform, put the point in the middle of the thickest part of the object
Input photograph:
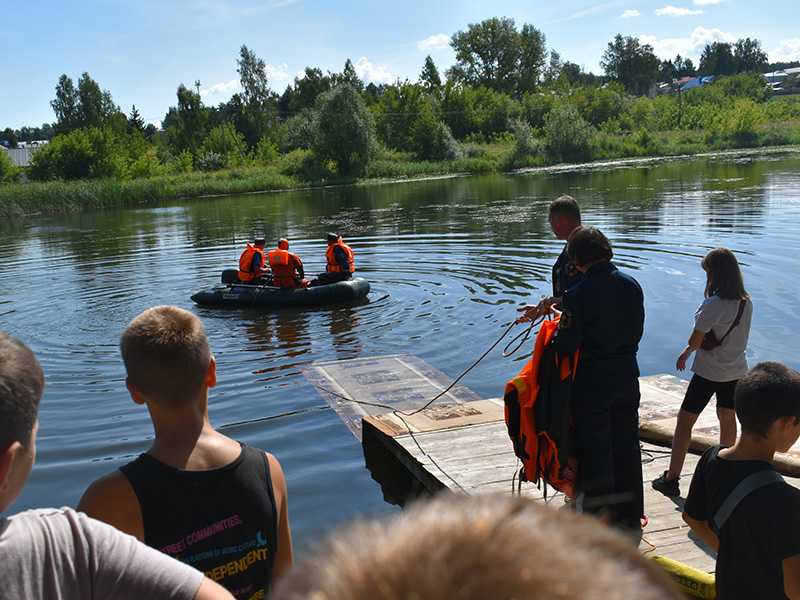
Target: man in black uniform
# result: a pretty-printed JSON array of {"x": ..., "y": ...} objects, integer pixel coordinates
[
  {"x": 603, "y": 316},
  {"x": 565, "y": 217}
]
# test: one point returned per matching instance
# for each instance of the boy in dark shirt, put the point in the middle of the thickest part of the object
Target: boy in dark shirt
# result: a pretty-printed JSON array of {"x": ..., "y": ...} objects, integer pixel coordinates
[{"x": 758, "y": 545}]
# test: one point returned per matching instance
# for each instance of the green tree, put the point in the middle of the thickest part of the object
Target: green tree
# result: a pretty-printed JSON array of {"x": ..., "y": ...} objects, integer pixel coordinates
[
  {"x": 717, "y": 59},
  {"x": 95, "y": 106},
  {"x": 749, "y": 56},
  {"x": 396, "y": 112},
  {"x": 348, "y": 76},
  {"x": 255, "y": 110},
  {"x": 431, "y": 138},
  {"x": 495, "y": 55},
  {"x": 190, "y": 123},
  {"x": 344, "y": 130},
  {"x": 631, "y": 63},
  {"x": 65, "y": 105},
  {"x": 225, "y": 141},
  {"x": 135, "y": 121},
  {"x": 9, "y": 136},
  {"x": 554, "y": 67},
  {"x": 305, "y": 91},
  {"x": 429, "y": 78}
]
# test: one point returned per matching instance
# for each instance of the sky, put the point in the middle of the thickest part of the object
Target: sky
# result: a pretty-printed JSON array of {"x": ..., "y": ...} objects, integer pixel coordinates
[{"x": 142, "y": 50}]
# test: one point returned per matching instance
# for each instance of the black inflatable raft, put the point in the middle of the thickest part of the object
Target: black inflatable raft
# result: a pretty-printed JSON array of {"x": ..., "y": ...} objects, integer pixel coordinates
[{"x": 239, "y": 295}]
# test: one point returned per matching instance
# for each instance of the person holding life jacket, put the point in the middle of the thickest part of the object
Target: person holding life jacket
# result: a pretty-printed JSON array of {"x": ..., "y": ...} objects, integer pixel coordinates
[
  {"x": 287, "y": 268},
  {"x": 340, "y": 262},
  {"x": 603, "y": 317},
  {"x": 253, "y": 263},
  {"x": 565, "y": 217}
]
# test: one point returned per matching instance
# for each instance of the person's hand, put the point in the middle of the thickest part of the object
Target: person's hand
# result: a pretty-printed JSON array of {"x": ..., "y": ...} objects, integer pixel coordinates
[
  {"x": 531, "y": 313},
  {"x": 680, "y": 364}
]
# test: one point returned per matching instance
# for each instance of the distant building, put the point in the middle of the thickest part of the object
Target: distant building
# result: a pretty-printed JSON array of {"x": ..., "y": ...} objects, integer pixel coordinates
[{"x": 21, "y": 157}]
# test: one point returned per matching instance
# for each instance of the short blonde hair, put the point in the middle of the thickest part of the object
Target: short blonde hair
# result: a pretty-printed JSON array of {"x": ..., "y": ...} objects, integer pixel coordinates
[
  {"x": 166, "y": 353},
  {"x": 476, "y": 548}
]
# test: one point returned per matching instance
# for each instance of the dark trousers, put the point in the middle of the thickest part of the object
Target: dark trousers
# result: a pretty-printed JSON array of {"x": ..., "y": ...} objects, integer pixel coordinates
[
  {"x": 608, "y": 453},
  {"x": 326, "y": 278}
]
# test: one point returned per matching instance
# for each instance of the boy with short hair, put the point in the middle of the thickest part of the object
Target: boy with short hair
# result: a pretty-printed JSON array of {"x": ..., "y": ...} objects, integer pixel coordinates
[
  {"x": 196, "y": 494},
  {"x": 57, "y": 553},
  {"x": 739, "y": 505}
]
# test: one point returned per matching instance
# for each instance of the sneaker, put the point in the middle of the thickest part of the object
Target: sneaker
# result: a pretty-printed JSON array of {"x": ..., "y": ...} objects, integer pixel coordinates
[{"x": 668, "y": 487}]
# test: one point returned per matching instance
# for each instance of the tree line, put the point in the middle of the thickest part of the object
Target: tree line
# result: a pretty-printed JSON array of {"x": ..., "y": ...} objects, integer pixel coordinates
[{"x": 504, "y": 82}]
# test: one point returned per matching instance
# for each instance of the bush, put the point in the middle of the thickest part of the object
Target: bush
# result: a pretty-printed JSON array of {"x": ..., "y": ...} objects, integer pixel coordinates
[
  {"x": 432, "y": 139},
  {"x": 210, "y": 161},
  {"x": 298, "y": 131},
  {"x": 266, "y": 151},
  {"x": 8, "y": 172},
  {"x": 738, "y": 123},
  {"x": 535, "y": 107},
  {"x": 526, "y": 146},
  {"x": 344, "y": 130},
  {"x": 80, "y": 154},
  {"x": 568, "y": 136},
  {"x": 147, "y": 165},
  {"x": 223, "y": 141},
  {"x": 182, "y": 163}
]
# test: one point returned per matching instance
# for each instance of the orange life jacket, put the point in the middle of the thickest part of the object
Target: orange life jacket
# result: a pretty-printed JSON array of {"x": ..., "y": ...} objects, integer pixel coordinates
[
  {"x": 333, "y": 265},
  {"x": 538, "y": 413},
  {"x": 284, "y": 264},
  {"x": 246, "y": 263}
]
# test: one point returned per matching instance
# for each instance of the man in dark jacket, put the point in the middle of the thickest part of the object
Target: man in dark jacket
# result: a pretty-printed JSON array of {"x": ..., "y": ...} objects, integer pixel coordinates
[
  {"x": 603, "y": 316},
  {"x": 565, "y": 217}
]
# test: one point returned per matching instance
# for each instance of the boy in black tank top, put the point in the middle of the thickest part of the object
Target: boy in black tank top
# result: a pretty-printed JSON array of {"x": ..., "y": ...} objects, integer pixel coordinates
[{"x": 196, "y": 495}]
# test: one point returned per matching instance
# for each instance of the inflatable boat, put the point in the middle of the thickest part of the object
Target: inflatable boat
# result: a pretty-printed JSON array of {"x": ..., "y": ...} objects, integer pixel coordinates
[{"x": 233, "y": 294}]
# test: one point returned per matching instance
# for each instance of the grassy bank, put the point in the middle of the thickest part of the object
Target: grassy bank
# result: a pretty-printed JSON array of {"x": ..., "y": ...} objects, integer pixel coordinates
[{"x": 298, "y": 170}]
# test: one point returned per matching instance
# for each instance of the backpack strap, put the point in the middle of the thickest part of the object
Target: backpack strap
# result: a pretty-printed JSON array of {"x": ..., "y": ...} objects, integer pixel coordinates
[
  {"x": 747, "y": 486},
  {"x": 739, "y": 313}
]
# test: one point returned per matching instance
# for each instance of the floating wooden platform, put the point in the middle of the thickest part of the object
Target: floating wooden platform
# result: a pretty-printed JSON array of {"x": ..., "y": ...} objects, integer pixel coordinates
[{"x": 461, "y": 443}]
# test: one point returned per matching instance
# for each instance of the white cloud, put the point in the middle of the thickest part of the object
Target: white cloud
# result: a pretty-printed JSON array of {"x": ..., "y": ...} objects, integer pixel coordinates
[
  {"x": 219, "y": 89},
  {"x": 707, "y": 2},
  {"x": 434, "y": 42},
  {"x": 277, "y": 73},
  {"x": 788, "y": 51},
  {"x": 677, "y": 11},
  {"x": 631, "y": 12},
  {"x": 372, "y": 73},
  {"x": 688, "y": 47},
  {"x": 281, "y": 3},
  {"x": 590, "y": 10}
]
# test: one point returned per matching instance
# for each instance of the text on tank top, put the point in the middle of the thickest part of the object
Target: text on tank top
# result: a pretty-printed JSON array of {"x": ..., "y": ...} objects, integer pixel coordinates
[{"x": 222, "y": 521}]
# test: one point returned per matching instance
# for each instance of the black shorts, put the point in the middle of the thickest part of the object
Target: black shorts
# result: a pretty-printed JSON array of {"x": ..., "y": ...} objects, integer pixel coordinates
[{"x": 700, "y": 391}]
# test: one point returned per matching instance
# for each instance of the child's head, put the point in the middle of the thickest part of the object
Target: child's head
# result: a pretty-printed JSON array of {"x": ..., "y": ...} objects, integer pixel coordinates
[
  {"x": 768, "y": 404},
  {"x": 167, "y": 356},
  {"x": 588, "y": 245},
  {"x": 476, "y": 547},
  {"x": 723, "y": 276},
  {"x": 21, "y": 386}
]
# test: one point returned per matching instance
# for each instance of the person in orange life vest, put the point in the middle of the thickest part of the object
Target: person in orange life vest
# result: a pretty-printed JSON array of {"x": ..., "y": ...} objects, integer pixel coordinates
[
  {"x": 603, "y": 317},
  {"x": 340, "y": 262},
  {"x": 253, "y": 263},
  {"x": 287, "y": 268}
]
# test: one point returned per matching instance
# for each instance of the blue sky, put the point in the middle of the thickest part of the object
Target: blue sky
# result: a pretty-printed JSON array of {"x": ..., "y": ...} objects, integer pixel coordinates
[{"x": 142, "y": 50}]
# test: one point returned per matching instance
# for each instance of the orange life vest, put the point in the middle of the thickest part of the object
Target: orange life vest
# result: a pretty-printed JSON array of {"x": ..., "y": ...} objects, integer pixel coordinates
[
  {"x": 333, "y": 265},
  {"x": 283, "y": 264},
  {"x": 538, "y": 414},
  {"x": 246, "y": 263}
]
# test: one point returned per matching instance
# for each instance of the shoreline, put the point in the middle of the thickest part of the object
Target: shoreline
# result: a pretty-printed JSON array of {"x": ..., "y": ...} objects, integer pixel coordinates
[{"x": 98, "y": 194}]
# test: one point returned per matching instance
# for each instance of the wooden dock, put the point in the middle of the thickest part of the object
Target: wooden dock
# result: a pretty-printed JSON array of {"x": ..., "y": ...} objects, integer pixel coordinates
[{"x": 462, "y": 444}]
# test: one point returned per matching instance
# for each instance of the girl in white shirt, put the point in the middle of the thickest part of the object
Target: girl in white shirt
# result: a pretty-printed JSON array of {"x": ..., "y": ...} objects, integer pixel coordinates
[{"x": 721, "y": 329}]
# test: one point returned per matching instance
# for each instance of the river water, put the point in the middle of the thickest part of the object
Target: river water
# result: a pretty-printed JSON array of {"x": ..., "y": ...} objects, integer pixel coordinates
[{"x": 449, "y": 261}]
